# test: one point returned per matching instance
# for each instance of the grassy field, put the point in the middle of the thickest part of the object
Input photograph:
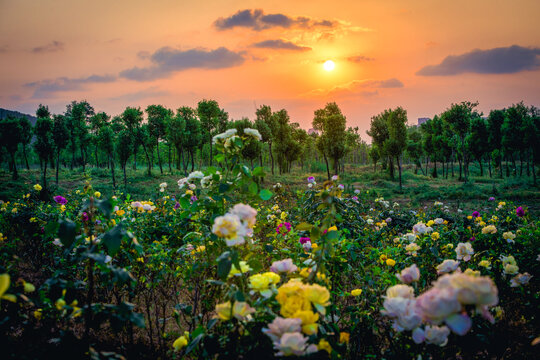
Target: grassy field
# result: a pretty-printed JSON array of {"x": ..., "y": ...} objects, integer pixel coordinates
[{"x": 417, "y": 188}]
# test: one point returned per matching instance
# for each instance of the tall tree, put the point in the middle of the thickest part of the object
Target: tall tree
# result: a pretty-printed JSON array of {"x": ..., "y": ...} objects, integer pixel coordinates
[
  {"x": 209, "y": 113},
  {"x": 158, "y": 117},
  {"x": 495, "y": 121},
  {"x": 133, "y": 118},
  {"x": 44, "y": 143},
  {"x": 60, "y": 137},
  {"x": 107, "y": 140},
  {"x": 264, "y": 115},
  {"x": 332, "y": 125},
  {"x": 397, "y": 140},
  {"x": 10, "y": 137},
  {"x": 26, "y": 137},
  {"x": 124, "y": 149}
]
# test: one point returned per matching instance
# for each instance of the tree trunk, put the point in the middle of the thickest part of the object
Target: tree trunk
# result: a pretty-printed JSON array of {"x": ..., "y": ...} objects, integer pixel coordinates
[
  {"x": 271, "y": 156},
  {"x": 57, "y": 165},
  {"x": 481, "y": 167},
  {"x": 327, "y": 168},
  {"x": 159, "y": 157},
  {"x": 170, "y": 169},
  {"x": 211, "y": 155},
  {"x": 14, "y": 167},
  {"x": 96, "y": 153},
  {"x": 45, "y": 174},
  {"x": 25, "y": 157},
  {"x": 149, "y": 169},
  {"x": 399, "y": 167},
  {"x": 489, "y": 167},
  {"x": 111, "y": 161},
  {"x": 192, "y": 160},
  {"x": 125, "y": 176},
  {"x": 82, "y": 158}
]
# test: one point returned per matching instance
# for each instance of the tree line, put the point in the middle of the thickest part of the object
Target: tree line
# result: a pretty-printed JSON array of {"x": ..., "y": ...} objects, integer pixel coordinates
[
  {"x": 160, "y": 138},
  {"x": 165, "y": 139},
  {"x": 462, "y": 135}
]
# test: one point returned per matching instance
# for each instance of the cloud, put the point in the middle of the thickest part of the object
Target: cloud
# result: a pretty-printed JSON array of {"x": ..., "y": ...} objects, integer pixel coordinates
[
  {"x": 363, "y": 88},
  {"x": 359, "y": 58},
  {"x": 257, "y": 20},
  {"x": 52, "y": 47},
  {"x": 503, "y": 60},
  {"x": 281, "y": 45},
  {"x": 45, "y": 88},
  {"x": 142, "y": 94},
  {"x": 167, "y": 60}
]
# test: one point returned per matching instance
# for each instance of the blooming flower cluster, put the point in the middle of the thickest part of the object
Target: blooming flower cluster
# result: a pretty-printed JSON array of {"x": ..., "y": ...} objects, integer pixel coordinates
[
  {"x": 442, "y": 308},
  {"x": 236, "y": 225}
]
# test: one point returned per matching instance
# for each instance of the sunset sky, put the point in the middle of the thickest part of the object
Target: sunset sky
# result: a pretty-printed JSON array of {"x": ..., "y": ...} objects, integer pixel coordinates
[{"x": 422, "y": 55}]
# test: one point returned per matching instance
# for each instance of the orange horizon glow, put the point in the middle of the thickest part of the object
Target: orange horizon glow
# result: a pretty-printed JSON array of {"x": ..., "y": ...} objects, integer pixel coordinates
[{"x": 386, "y": 54}]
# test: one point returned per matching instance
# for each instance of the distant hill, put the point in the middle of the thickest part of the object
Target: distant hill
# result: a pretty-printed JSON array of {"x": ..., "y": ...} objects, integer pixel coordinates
[{"x": 4, "y": 113}]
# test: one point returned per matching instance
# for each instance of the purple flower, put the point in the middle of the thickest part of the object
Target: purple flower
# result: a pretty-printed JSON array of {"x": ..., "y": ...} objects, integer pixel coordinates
[
  {"x": 388, "y": 220},
  {"x": 472, "y": 239},
  {"x": 193, "y": 199},
  {"x": 176, "y": 206},
  {"x": 283, "y": 228},
  {"x": 304, "y": 240},
  {"x": 520, "y": 212},
  {"x": 60, "y": 200},
  {"x": 98, "y": 222},
  {"x": 491, "y": 199},
  {"x": 85, "y": 217},
  {"x": 355, "y": 198},
  {"x": 475, "y": 214},
  {"x": 311, "y": 179}
]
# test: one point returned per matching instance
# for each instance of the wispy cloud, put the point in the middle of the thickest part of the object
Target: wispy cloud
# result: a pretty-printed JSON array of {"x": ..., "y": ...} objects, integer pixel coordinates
[
  {"x": 150, "y": 92},
  {"x": 503, "y": 60},
  {"x": 166, "y": 61},
  {"x": 48, "y": 48},
  {"x": 280, "y": 45},
  {"x": 46, "y": 88},
  {"x": 359, "y": 58},
  {"x": 363, "y": 88}
]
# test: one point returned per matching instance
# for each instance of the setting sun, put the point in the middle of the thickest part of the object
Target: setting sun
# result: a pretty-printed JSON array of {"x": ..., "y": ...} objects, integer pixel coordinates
[{"x": 329, "y": 65}]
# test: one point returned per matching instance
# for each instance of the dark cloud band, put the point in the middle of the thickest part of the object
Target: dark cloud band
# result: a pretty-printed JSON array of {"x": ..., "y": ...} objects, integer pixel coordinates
[
  {"x": 503, "y": 60},
  {"x": 168, "y": 60}
]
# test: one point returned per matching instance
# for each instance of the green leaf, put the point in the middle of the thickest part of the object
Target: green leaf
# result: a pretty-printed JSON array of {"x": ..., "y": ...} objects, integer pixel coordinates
[
  {"x": 113, "y": 239},
  {"x": 105, "y": 206},
  {"x": 303, "y": 227},
  {"x": 184, "y": 202},
  {"x": 258, "y": 171},
  {"x": 67, "y": 230},
  {"x": 265, "y": 194},
  {"x": 253, "y": 188},
  {"x": 137, "y": 319},
  {"x": 224, "y": 187},
  {"x": 255, "y": 265},
  {"x": 224, "y": 265},
  {"x": 194, "y": 343}
]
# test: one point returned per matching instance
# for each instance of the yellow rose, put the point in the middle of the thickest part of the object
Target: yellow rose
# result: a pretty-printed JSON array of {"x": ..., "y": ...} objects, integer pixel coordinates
[
  {"x": 356, "y": 292},
  {"x": 97, "y": 194},
  {"x": 430, "y": 223},
  {"x": 435, "y": 236},
  {"x": 309, "y": 321},
  {"x": 38, "y": 314},
  {"x": 224, "y": 311},
  {"x": 344, "y": 337},
  {"x": 324, "y": 345},
  {"x": 180, "y": 343},
  {"x": 332, "y": 228},
  {"x": 37, "y": 187},
  {"x": 390, "y": 262},
  {"x": 317, "y": 294},
  {"x": 60, "y": 303}
]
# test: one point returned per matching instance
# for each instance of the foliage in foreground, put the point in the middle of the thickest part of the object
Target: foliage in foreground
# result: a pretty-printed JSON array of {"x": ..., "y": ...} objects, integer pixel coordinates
[{"x": 318, "y": 273}]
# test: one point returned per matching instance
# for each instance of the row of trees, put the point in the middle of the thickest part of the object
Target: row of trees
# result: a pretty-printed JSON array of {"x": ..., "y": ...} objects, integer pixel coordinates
[
  {"x": 460, "y": 134},
  {"x": 161, "y": 137}
]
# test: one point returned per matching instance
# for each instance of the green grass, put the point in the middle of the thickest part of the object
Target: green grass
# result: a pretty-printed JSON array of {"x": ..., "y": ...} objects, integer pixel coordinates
[{"x": 417, "y": 188}]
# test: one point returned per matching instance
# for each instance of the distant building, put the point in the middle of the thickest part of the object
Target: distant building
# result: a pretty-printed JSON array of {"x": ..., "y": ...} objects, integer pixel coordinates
[{"x": 422, "y": 120}]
